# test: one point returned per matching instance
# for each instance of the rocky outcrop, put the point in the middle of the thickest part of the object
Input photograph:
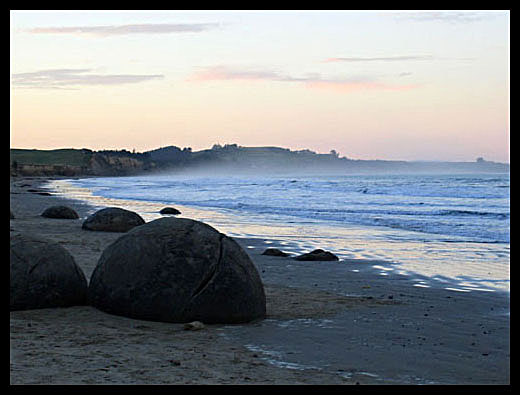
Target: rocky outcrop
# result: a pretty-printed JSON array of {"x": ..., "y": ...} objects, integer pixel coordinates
[
  {"x": 112, "y": 219},
  {"x": 71, "y": 163},
  {"x": 177, "y": 270},
  {"x": 43, "y": 274},
  {"x": 12, "y": 215},
  {"x": 317, "y": 255},
  {"x": 63, "y": 212},
  {"x": 112, "y": 165}
]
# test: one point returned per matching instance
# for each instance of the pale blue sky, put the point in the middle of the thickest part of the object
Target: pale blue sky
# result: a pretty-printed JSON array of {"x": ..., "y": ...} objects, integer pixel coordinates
[{"x": 395, "y": 85}]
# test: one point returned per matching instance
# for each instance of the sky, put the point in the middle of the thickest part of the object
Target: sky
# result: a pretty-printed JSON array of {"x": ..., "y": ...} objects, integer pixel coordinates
[{"x": 397, "y": 85}]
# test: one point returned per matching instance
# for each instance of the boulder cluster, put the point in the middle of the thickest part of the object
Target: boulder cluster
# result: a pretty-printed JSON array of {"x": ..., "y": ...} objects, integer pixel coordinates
[{"x": 170, "y": 270}]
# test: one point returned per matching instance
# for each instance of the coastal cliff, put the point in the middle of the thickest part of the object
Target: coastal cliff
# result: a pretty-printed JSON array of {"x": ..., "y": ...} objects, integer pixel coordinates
[
  {"x": 228, "y": 159},
  {"x": 70, "y": 163}
]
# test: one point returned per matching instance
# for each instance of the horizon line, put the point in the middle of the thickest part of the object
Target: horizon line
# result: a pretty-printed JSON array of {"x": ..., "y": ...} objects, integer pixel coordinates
[{"x": 270, "y": 146}]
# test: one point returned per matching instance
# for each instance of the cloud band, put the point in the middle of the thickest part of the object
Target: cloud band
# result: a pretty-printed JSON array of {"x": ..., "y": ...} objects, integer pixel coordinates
[
  {"x": 62, "y": 78},
  {"x": 115, "y": 30}
]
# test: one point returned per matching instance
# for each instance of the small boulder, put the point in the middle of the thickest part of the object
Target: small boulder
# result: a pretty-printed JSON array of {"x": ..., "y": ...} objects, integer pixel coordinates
[
  {"x": 177, "y": 270},
  {"x": 317, "y": 255},
  {"x": 194, "y": 326},
  {"x": 112, "y": 219},
  {"x": 274, "y": 252},
  {"x": 43, "y": 274},
  {"x": 60, "y": 212},
  {"x": 169, "y": 210}
]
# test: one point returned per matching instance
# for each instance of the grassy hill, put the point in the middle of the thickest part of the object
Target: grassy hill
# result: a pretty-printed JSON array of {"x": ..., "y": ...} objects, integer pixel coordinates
[{"x": 62, "y": 157}]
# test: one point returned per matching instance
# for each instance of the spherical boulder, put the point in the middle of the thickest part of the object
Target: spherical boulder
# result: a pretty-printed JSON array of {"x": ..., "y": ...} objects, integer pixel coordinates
[
  {"x": 317, "y": 255},
  {"x": 177, "y": 270},
  {"x": 170, "y": 210},
  {"x": 43, "y": 274},
  {"x": 60, "y": 212},
  {"x": 112, "y": 219}
]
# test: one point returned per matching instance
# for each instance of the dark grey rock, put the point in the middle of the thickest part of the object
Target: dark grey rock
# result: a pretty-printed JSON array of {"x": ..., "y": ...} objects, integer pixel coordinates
[
  {"x": 39, "y": 192},
  {"x": 112, "y": 219},
  {"x": 60, "y": 212},
  {"x": 12, "y": 215},
  {"x": 274, "y": 252},
  {"x": 43, "y": 274},
  {"x": 177, "y": 270},
  {"x": 317, "y": 255},
  {"x": 169, "y": 210}
]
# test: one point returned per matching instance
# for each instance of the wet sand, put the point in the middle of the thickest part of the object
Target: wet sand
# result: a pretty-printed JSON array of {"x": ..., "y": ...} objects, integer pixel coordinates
[{"x": 330, "y": 323}]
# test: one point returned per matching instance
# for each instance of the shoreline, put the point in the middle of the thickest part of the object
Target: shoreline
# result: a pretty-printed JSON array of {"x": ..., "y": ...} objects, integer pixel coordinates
[
  {"x": 441, "y": 261},
  {"x": 449, "y": 337}
]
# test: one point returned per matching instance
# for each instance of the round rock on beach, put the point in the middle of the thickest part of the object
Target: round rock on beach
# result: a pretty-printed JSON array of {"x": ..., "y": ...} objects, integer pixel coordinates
[
  {"x": 177, "y": 270},
  {"x": 170, "y": 210},
  {"x": 43, "y": 274},
  {"x": 317, "y": 255},
  {"x": 60, "y": 212},
  {"x": 112, "y": 219},
  {"x": 274, "y": 252}
]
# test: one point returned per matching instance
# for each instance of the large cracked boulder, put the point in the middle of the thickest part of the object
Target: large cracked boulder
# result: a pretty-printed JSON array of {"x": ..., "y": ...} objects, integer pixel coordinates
[
  {"x": 43, "y": 274},
  {"x": 112, "y": 219},
  {"x": 63, "y": 212},
  {"x": 177, "y": 270}
]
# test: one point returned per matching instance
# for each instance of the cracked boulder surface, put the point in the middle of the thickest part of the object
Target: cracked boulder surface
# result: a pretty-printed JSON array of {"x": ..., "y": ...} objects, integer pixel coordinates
[
  {"x": 177, "y": 270},
  {"x": 43, "y": 274}
]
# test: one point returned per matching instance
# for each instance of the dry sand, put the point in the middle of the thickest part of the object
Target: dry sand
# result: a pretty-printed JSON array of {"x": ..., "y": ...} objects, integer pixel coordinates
[{"x": 384, "y": 325}]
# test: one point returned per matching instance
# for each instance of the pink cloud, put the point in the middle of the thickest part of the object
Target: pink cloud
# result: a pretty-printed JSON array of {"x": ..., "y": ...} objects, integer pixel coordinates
[
  {"x": 222, "y": 73},
  {"x": 113, "y": 30}
]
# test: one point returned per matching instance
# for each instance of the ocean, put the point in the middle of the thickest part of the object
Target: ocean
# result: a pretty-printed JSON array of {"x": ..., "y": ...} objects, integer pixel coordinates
[{"x": 448, "y": 230}]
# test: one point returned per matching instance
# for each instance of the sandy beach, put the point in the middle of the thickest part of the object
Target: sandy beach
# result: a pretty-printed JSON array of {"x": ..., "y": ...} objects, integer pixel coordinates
[{"x": 349, "y": 325}]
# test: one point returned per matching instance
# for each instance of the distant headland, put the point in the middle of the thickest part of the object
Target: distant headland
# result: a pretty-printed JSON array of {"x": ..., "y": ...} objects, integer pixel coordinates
[{"x": 226, "y": 159}]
